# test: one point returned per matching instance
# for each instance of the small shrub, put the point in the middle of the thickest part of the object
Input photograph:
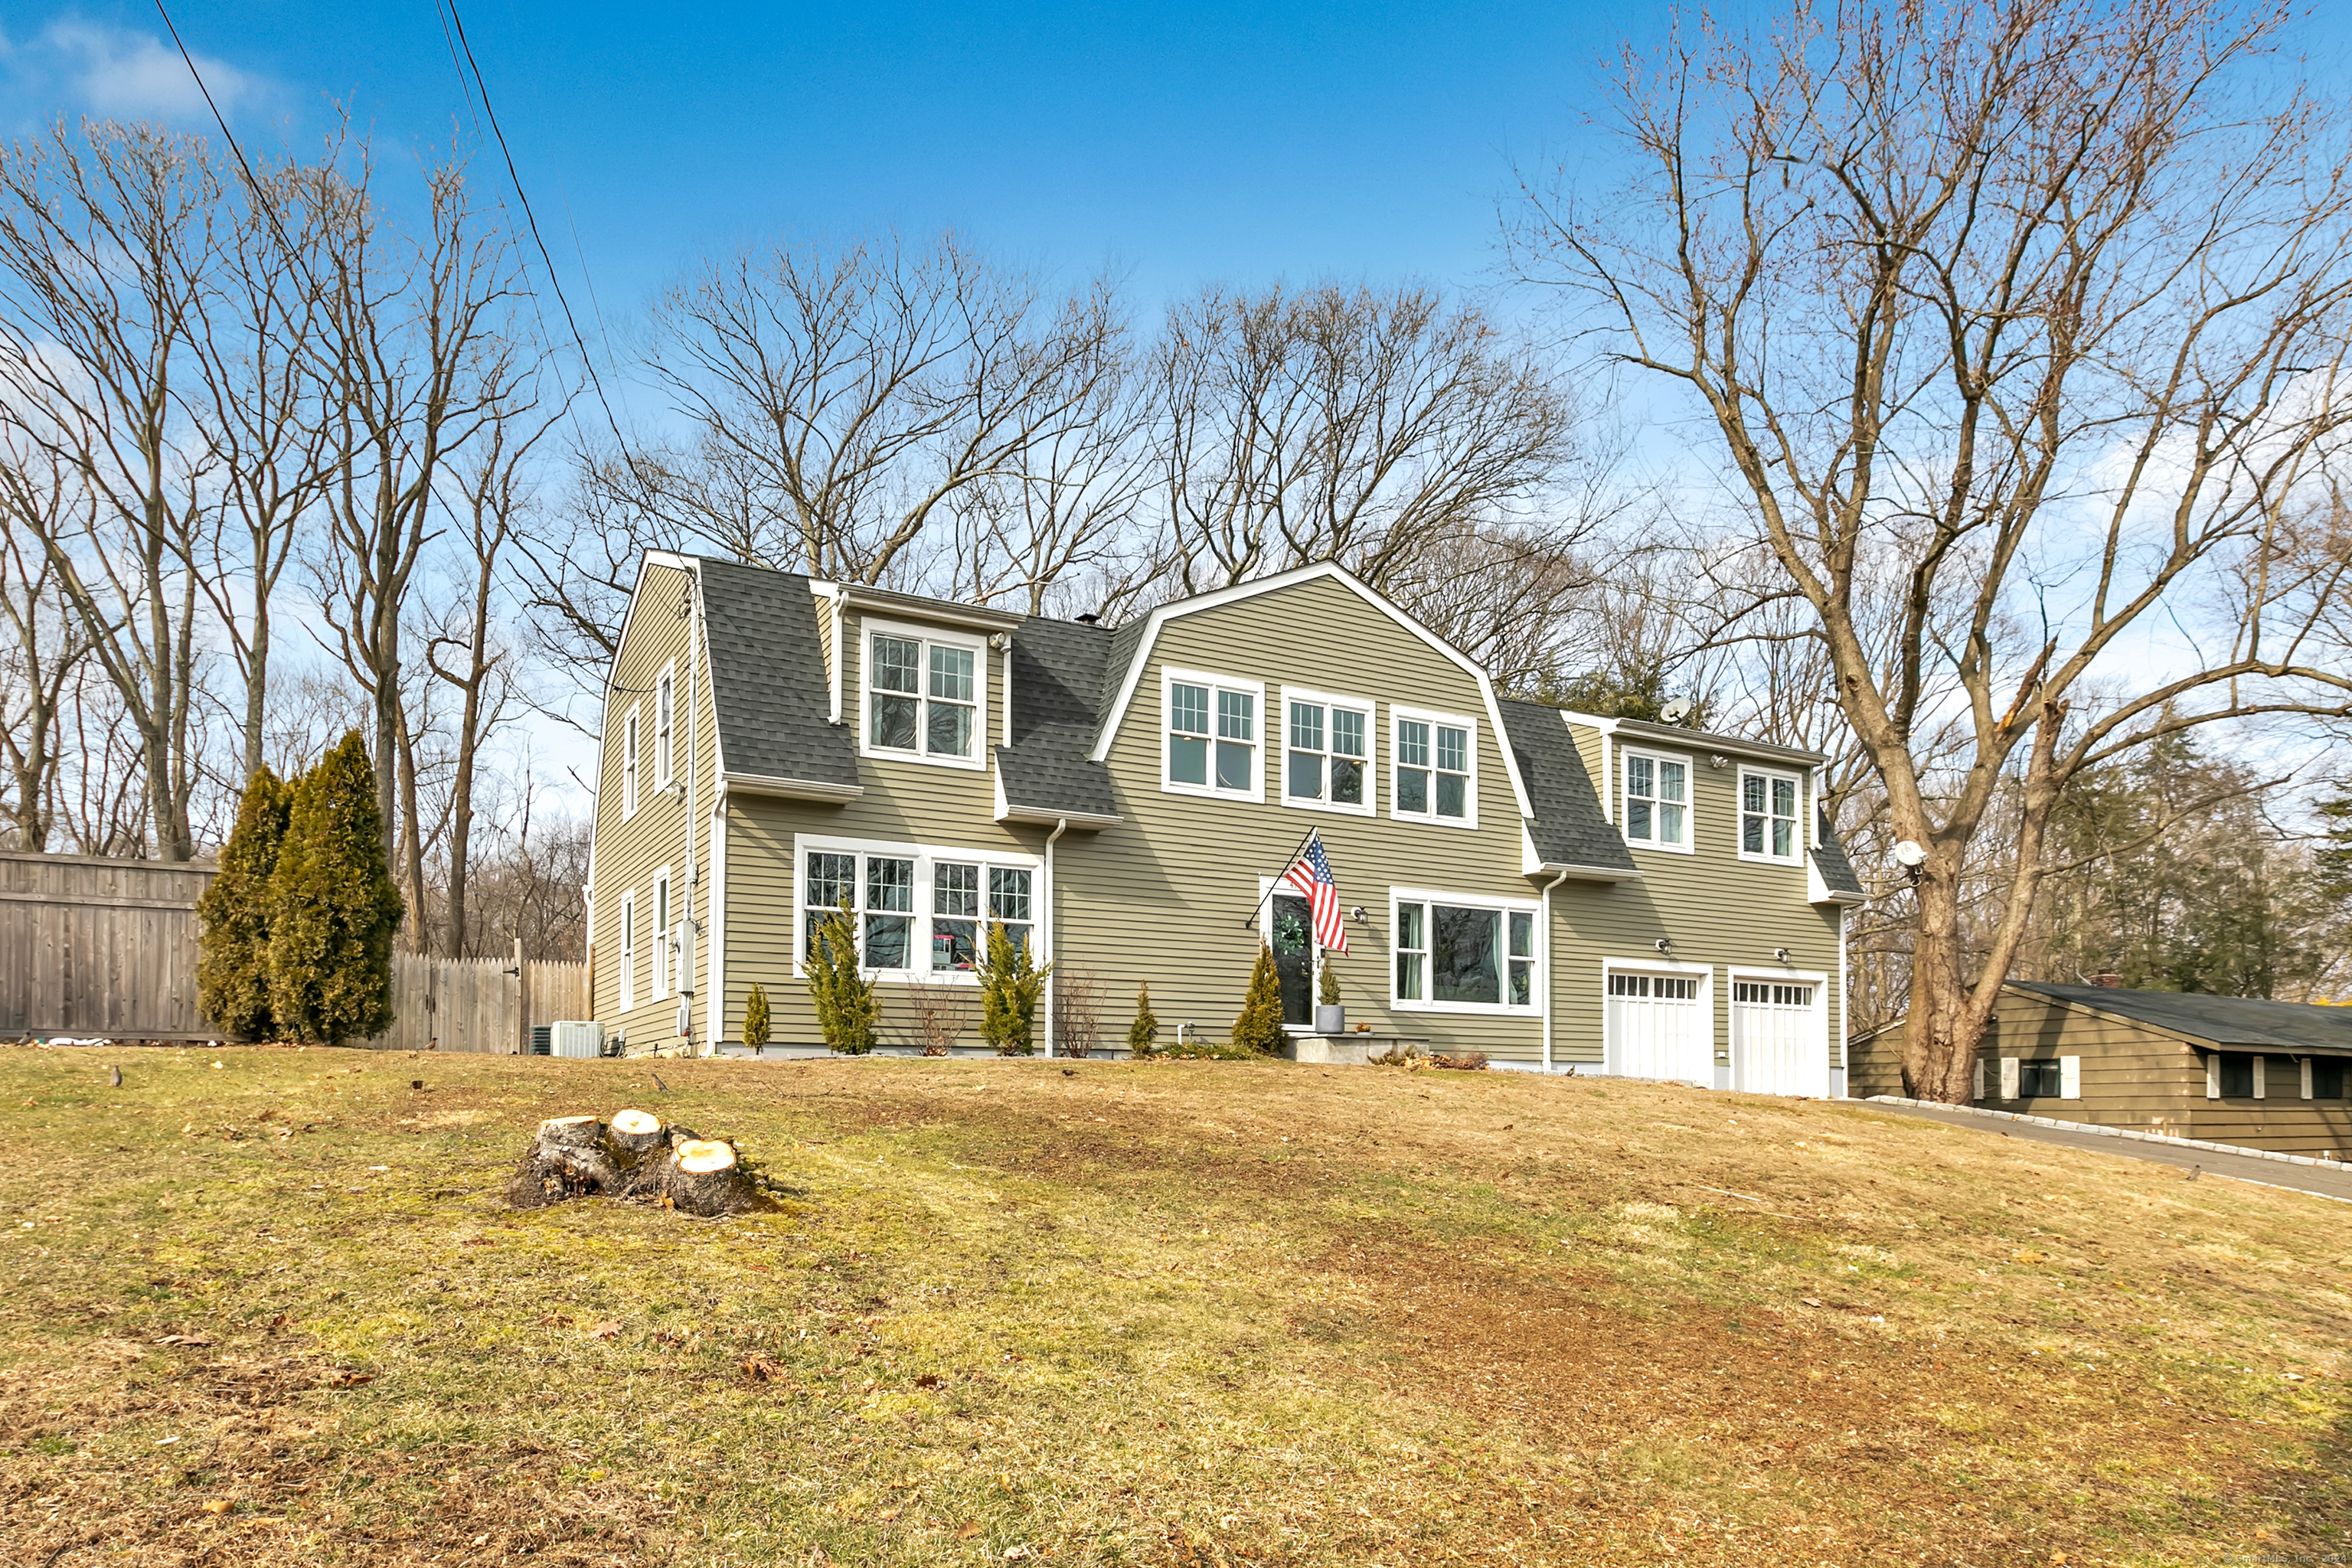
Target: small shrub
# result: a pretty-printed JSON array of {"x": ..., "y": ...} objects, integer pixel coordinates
[
  {"x": 755, "y": 1017},
  {"x": 1078, "y": 1011},
  {"x": 1259, "y": 1026},
  {"x": 844, "y": 998},
  {"x": 1010, "y": 983},
  {"x": 941, "y": 1015},
  {"x": 1144, "y": 1033},
  {"x": 1327, "y": 987}
]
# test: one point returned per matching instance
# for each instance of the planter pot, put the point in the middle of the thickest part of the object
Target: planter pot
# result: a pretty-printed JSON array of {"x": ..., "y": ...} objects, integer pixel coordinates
[{"x": 1331, "y": 1020}]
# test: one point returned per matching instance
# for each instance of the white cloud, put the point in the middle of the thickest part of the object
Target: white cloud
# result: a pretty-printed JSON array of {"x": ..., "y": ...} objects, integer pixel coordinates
[{"x": 74, "y": 66}]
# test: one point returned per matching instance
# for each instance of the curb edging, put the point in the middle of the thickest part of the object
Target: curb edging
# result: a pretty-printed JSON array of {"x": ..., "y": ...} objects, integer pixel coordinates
[{"x": 2113, "y": 1132}]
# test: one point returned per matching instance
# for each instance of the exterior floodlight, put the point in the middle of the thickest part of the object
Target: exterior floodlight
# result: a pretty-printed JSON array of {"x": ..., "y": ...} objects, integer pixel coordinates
[{"x": 1909, "y": 854}]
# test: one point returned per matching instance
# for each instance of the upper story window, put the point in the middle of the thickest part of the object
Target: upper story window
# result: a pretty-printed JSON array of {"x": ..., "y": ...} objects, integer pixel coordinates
[
  {"x": 1767, "y": 816},
  {"x": 1434, "y": 760},
  {"x": 914, "y": 911},
  {"x": 629, "y": 765},
  {"x": 1327, "y": 761},
  {"x": 1657, "y": 801},
  {"x": 925, "y": 695},
  {"x": 665, "y": 726},
  {"x": 1212, "y": 741}
]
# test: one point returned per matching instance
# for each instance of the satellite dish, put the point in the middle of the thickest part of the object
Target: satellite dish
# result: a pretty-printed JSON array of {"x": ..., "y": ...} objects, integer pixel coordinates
[
  {"x": 1675, "y": 711},
  {"x": 1909, "y": 854}
]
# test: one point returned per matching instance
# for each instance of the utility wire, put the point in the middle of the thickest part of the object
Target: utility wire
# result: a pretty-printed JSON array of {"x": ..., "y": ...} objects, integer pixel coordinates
[
  {"x": 260, "y": 197},
  {"x": 515, "y": 178}
]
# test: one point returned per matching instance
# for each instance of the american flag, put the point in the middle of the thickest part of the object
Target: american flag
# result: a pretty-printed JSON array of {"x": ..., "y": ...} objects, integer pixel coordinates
[{"x": 1311, "y": 875}]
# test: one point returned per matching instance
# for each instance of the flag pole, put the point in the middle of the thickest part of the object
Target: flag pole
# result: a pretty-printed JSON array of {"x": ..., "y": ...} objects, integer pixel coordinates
[{"x": 1286, "y": 865}]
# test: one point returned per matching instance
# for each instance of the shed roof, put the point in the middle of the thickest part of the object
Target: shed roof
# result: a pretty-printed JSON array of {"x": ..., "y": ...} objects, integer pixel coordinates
[
  {"x": 2247, "y": 1022},
  {"x": 1567, "y": 827},
  {"x": 1059, "y": 671}
]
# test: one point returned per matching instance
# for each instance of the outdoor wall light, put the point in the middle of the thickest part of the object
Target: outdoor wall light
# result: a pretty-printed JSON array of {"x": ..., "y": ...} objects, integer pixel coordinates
[
  {"x": 1665, "y": 944},
  {"x": 1781, "y": 953},
  {"x": 1718, "y": 761},
  {"x": 1356, "y": 913}
]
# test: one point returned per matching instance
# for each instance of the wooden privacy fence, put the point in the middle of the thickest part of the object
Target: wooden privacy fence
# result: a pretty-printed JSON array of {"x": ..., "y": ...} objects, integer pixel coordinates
[
  {"x": 484, "y": 1005},
  {"x": 93, "y": 947}
]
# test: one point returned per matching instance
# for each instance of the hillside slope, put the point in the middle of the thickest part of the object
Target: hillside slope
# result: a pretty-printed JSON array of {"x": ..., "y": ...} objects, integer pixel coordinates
[{"x": 272, "y": 1310}]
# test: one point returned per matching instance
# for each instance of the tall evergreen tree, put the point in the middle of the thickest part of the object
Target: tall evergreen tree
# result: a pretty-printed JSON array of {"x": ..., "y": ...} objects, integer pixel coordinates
[
  {"x": 333, "y": 906},
  {"x": 1011, "y": 985},
  {"x": 233, "y": 951}
]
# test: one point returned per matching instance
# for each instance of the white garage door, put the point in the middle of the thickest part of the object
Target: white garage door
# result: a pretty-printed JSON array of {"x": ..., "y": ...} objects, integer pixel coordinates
[
  {"x": 1777, "y": 1042},
  {"x": 1658, "y": 1028}
]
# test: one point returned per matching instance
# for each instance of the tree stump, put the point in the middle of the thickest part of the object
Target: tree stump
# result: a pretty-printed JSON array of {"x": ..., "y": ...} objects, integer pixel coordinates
[
  {"x": 633, "y": 1135},
  {"x": 702, "y": 1176},
  {"x": 567, "y": 1160}
]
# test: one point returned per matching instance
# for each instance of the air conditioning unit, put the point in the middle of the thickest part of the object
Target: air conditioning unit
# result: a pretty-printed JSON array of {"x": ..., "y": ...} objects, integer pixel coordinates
[
  {"x": 576, "y": 1039},
  {"x": 542, "y": 1039}
]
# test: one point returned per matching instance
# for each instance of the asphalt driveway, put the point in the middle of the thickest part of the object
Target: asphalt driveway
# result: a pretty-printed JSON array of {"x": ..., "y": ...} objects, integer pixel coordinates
[{"x": 2317, "y": 1179}]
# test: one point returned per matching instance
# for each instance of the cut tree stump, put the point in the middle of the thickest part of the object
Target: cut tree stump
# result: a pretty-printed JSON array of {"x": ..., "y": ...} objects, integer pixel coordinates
[
  {"x": 634, "y": 1156},
  {"x": 634, "y": 1134}
]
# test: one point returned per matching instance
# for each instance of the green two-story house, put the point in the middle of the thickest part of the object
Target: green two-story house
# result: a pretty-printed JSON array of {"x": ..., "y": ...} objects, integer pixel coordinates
[{"x": 1556, "y": 890}]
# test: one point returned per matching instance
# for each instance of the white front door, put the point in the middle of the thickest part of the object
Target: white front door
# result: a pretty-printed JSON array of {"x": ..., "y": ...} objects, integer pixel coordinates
[
  {"x": 1778, "y": 1043},
  {"x": 1657, "y": 1026}
]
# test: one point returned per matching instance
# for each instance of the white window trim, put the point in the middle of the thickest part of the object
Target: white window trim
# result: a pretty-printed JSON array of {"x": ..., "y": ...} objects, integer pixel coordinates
[
  {"x": 1539, "y": 981},
  {"x": 666, "y": 741},
  {"x": 1796, "y": 856},
  {"x": 925, "y": 857},
  {"x": 628, "y": 950},
  {"x": 867, "y": 629},
  {"x": 1454, "y": 720},
  {"x": 1705, "y": 974},
  {"x": 1328, "y": 700},
  {"x": 1625, "y": 755},
  {"x": 629, "y": 732},
  {"x": 1168, "y": 676},
  {"x": 662, "y": 884}
]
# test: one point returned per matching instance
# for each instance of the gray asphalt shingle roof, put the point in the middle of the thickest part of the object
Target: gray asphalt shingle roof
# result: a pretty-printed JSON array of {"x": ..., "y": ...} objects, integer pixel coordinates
[
  {"x": 2233, "y": 1021},
  {"x": 1568, "y": 829},
  {"x": 1838, "y": 874},
  {"x": 1059, "y": 669},
  {"x": 767, "y": 678}
]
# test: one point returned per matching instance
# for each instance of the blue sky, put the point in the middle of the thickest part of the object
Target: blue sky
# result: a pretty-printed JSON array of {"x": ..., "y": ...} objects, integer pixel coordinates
[{"x": 1228, "y": 143}]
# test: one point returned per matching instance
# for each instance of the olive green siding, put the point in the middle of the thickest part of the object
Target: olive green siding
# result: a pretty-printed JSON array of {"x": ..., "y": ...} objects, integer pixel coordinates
[
  {"x": 1713, "y": 907},
  {"x": 1165, "y": 893},
  {"x": 2133, "y": 1075},
  {"x": 628, "y": 854}
]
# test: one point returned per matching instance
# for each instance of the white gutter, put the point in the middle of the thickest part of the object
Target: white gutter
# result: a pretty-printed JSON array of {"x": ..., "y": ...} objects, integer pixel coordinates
[
  {"x": 1045, "y": 924},
  {"x": 1544, "y": 904}
]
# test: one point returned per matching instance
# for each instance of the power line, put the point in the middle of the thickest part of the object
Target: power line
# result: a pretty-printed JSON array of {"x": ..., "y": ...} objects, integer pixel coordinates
[
  {"x": 260, "y": 197},
  {"x": 515, "y": 178}
]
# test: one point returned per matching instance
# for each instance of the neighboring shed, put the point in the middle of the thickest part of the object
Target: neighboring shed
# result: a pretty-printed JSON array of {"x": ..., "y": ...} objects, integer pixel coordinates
[{"x": 2231, "y": 1070}]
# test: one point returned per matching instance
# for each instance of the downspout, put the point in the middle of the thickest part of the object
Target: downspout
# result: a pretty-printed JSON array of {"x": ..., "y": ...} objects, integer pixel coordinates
[
  {"x": 1544, "y": 904},
  {"x": 1046, "y": 923},
  {"x": 693, "y": 780}
]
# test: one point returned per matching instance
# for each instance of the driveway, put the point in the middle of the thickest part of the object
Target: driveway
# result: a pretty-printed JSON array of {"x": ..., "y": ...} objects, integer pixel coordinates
[{"x": 2317, "y": 1179}]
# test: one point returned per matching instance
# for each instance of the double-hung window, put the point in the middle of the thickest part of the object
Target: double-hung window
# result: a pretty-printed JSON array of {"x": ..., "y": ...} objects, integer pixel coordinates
[
  {"x": 1657, "y": 801},
  {"x": 913, "y": 911},
  {"x": 1212, "y": 741},
  {"x": 665, "y": 728},
  {"x": 661, "y": 933},
  {"x": 1767, "y": 816},
  {"x": 1456, "y": 957},
  {"x": 1434, "y": 759},
  {"x": 925, "y": 692},
  {"x": 628, "y": 950},
  {"x": 629, "y": 766},
  {"x": 1327, "y": 761}
]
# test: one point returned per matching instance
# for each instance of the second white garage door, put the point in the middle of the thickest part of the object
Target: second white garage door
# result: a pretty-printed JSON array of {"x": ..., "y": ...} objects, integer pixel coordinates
[
  {"x": 1778, "y": 1045},
  {"x": 1658, "y": 1028}
]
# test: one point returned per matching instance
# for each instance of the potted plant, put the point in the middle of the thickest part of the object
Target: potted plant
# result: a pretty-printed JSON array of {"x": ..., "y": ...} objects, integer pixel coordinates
[{"x": 1330, "y": 1018}]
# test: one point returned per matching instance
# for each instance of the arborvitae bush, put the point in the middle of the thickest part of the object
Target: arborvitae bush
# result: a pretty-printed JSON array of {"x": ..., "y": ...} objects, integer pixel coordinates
[
  {"x": 755, "y": 1017},
  {"x": 1143, "y": 1035},
  {"x": 1011, "y": 982},
  {"x": 1326, "y": 988},
  {"x": 233, "y": 953},
  {"x": 333, "y": 908},
  {"x": 1259, "y": 1028},
  {"x": 847, "y": 1010}
]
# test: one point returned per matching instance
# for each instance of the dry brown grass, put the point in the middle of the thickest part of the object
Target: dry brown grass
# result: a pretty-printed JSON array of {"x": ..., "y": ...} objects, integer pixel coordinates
[{"x": 1172, "y": 1312}]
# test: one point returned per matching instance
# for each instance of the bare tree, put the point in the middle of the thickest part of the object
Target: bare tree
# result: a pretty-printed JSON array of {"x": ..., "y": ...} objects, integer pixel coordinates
[
  {"x": 2037, "y": 309},
  {"x": 414, "y": 350},
  {"x": 1339, "y": 425},
  {"x": 105, "y": 238},
  {"x": 46, "y": 650},
  {"x": 495, "y": 483}
]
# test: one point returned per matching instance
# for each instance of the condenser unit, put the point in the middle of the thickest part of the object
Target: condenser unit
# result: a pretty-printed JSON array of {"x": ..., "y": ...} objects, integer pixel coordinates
[{"x": 576, "y": 1039}]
